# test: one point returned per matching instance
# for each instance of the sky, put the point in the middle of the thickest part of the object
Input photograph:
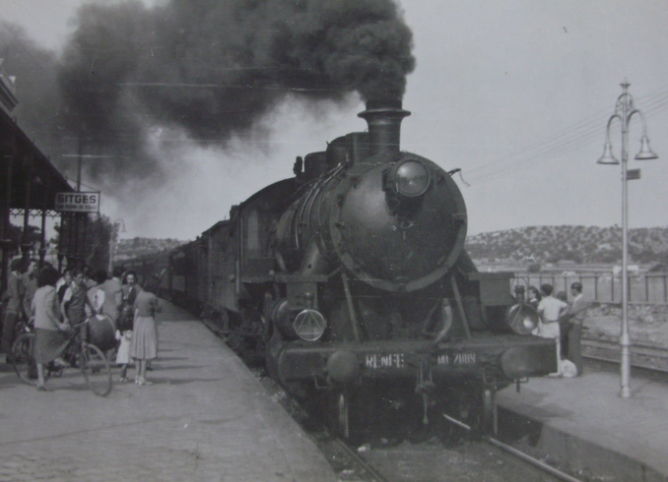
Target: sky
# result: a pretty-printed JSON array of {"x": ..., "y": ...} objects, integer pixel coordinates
[{"x": 515, "y": 93}]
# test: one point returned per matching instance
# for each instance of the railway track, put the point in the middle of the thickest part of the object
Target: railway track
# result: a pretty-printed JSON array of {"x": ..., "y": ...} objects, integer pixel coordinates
[
  {"x": 372, "y": 475},
  {"x": 369, "y": 472},
  {"x": 356, "y": 465},
  {"x": 419, "y": 462},
  {"x": 642, "y": 356},
  {"x": 519, "y": 454}
]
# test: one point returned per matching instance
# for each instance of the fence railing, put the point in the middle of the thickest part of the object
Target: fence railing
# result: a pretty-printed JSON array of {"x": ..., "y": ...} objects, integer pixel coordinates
[{"x": 602, "y": 287}]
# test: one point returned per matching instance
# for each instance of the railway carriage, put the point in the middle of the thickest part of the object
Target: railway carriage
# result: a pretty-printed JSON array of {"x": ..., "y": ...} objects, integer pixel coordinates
[{"x": 151, "y": 271}]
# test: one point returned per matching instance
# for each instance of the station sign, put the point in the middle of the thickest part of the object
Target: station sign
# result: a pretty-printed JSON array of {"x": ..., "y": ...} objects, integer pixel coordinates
[{"x": 78, "y": 202}]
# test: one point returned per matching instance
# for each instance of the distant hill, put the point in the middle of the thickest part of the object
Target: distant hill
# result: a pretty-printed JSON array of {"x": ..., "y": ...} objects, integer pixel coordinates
[
  {"x": 581, "y": 244},
  {"x": 544, "y": 244},
  {"x": 130, "y": 248}
]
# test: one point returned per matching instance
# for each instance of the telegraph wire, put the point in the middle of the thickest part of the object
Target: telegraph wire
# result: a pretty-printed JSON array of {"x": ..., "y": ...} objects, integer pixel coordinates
[
  {"x": 568, "y": 138},
  {"x": 586, "y": 126}
]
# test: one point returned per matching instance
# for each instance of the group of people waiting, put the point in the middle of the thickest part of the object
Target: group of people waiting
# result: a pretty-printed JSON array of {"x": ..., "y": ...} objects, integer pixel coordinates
[
  {"x": 561, "y": 320},
  {"x": 59, "y": 304}
]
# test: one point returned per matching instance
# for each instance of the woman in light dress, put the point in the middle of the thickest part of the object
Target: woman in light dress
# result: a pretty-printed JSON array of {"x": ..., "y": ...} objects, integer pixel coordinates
[{"x": 144, "y": 344}]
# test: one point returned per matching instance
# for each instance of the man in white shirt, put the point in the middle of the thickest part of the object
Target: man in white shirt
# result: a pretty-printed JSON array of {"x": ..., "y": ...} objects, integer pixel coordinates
[{"x": 550, "y": 310}]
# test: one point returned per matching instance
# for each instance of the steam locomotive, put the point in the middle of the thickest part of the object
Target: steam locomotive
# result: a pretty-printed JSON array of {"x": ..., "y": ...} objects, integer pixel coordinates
[{"x": 350, "y": 280}]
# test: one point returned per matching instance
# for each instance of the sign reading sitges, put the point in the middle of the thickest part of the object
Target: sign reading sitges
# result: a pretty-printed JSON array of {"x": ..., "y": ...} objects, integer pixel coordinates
[{"x": 78, "y": 202}]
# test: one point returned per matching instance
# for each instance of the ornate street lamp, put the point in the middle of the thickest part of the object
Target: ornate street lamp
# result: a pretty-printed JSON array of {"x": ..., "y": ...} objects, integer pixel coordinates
[{"x": 624, "y": 112}]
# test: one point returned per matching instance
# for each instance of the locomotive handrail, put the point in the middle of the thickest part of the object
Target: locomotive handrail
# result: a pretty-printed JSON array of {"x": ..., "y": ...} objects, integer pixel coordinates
[
  {"x": 351, "y": 307},
  {"x": 427, "y": 321},
  {"x": 447, "y": 325},
  {"x": 460, "y": 305}
]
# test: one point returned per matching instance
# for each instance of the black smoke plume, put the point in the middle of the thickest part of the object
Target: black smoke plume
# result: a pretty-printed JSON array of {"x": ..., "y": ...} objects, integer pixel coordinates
[{"x": 214, "y": 67}]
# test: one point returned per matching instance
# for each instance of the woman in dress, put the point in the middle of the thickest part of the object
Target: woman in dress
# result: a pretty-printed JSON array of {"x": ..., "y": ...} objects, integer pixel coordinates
[
  {"x": 144, "y": 344},
  {"x": 50, "y": 336},
  {"x": 125, "y": 323}
]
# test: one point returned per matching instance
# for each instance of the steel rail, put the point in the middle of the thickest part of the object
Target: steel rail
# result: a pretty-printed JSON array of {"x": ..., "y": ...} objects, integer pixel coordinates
[
  {"x": 639, "y": 348},
  {"x": 612, "y": 361},
  {"x": 360, "y": 460},
  {"x": 517, "y": 453},
  {"x": 531, "y": 460},
  {"x": 659, "y": 355}
]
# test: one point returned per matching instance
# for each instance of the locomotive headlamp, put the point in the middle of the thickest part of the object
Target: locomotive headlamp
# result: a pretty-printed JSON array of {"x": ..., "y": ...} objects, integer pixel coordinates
[
  {"x": 410, "y": 178},
  {"x": 522, "y": 319},
  {"x": 309, "y": 325}
]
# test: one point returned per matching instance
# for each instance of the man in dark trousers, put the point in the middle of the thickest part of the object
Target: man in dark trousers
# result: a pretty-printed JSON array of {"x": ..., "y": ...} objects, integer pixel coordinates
[{"x": 576, "y": 314}]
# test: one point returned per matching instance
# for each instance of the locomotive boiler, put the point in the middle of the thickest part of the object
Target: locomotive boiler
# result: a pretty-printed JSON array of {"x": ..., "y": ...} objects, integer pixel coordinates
[{"x": 350, "y": 280}]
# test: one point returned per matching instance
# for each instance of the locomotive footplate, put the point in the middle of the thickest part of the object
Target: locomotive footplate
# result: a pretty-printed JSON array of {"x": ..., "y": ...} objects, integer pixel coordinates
[{"x": 509, "y": 357}]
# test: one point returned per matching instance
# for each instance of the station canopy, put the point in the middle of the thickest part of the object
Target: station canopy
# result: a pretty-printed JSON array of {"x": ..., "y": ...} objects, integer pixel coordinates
[{"x": 28, "y": 165}]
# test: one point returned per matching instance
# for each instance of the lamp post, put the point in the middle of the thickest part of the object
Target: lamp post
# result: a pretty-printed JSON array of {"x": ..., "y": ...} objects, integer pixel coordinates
[
  {"x": 113, "y": 241},
  {"x": 624, "y": 112}
]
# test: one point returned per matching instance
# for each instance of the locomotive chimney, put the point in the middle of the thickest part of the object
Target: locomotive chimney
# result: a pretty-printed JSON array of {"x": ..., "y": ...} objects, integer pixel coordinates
[{"x": 384, "y": 119}]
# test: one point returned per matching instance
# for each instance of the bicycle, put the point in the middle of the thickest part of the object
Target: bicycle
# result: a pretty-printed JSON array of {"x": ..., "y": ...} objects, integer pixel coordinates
[{"x": 89, "y": 358}]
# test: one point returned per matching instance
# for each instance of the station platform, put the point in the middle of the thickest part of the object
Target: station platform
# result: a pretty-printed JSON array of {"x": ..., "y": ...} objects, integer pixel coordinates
[
  {"x": 205, "y": 418},
  {"x": 587, "y": 427}
]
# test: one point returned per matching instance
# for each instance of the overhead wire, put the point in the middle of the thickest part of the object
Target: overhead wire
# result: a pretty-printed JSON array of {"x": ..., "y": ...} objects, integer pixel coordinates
[
  {"x": 579, "y": 131},
  {"x": 562, "y": 141},
  {"x": 586, "y": 128},
  {"x": 559, "y": 148}
]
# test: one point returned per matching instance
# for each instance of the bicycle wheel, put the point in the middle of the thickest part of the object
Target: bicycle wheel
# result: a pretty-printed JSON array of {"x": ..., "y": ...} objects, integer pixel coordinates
[
  {"x": 23, "y": 358},
  {"x": 96, "y": 370}
]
